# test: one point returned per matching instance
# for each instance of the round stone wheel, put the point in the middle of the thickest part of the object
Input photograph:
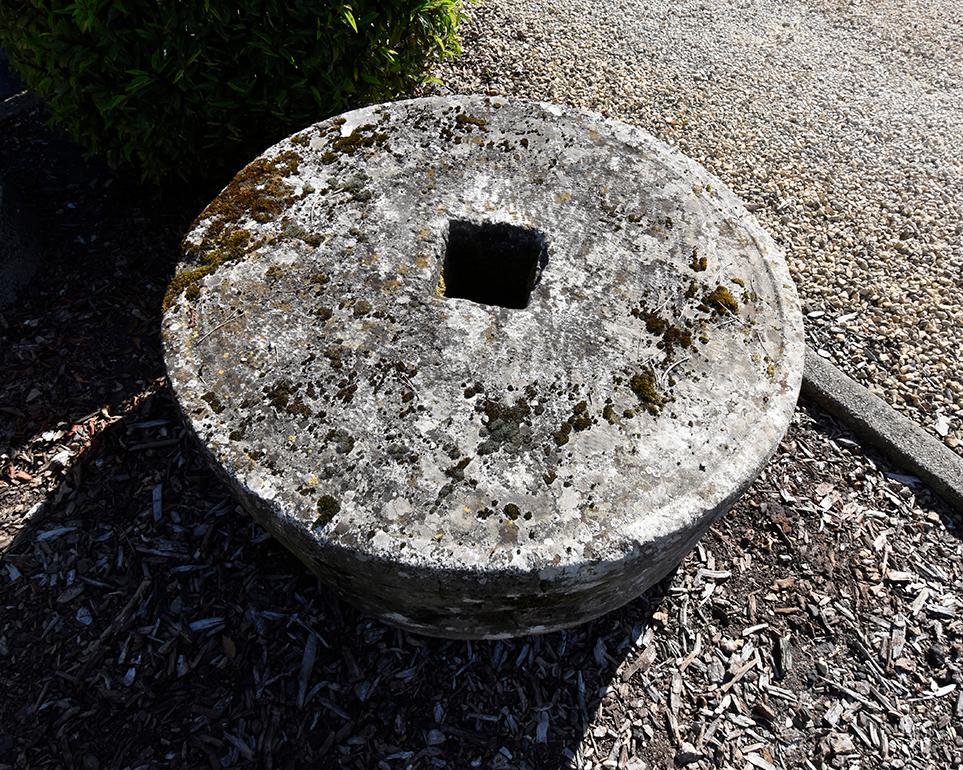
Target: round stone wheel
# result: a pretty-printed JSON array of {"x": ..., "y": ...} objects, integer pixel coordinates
[{"x": 489, "y": 367}]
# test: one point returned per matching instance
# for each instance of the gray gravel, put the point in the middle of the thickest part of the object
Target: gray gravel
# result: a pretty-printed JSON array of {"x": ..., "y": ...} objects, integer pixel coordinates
[{"x": 839, "y": 123}]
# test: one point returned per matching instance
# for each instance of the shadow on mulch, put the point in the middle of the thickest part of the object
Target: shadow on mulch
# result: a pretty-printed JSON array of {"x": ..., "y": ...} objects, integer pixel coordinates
[
  {"x": 85, "y": 333},
  {"x": 148, "y": 622},
  {"x": 144, "y": 621}
]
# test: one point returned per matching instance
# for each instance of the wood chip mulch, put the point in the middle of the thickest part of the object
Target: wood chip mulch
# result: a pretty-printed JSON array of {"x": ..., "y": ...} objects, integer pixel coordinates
[{"x": 146, "y": 622}]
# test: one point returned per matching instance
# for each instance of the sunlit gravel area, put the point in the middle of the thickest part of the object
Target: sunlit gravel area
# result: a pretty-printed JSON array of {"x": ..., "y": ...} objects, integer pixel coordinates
[{"x": 839, "y": 123}]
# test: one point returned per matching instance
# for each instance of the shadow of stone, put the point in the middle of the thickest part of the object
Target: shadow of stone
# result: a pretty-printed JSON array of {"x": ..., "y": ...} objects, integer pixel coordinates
[
  {"x": 84, "y": 332},
  {"x": 146, "y": 620},
  {"x": 19, "y": 244}
]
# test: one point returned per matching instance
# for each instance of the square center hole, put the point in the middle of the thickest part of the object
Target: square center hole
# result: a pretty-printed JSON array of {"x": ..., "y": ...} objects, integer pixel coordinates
[{"x": 493, "y": 263}]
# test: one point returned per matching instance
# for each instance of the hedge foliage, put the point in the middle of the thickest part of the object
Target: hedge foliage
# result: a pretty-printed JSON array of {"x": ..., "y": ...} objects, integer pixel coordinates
[{"x": 181, "y": 86}]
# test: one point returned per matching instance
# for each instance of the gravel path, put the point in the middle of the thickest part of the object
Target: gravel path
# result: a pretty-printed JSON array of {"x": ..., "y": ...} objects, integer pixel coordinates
[{"x": 839, "y": 123}]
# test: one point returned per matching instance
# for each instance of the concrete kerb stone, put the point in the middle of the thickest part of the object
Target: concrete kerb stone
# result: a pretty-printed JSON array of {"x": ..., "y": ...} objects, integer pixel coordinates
[
  {"x": 877, "y": 424},
  {"x": 470, "y": 452}
]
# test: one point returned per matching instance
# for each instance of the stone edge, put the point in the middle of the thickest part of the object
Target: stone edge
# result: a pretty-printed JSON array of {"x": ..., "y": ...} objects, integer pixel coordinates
[{"x": 876, "y": 423}]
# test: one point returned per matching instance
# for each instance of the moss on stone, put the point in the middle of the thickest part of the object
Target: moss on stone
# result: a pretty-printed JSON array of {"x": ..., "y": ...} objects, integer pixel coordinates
[
  {"x": 299, "y": 408},
  {"x": 654, "y": 324},
  {"x": 274, "y": 272},
  {"x": 283, "y": 397},
  {"x": 504, "y": 424},
  {"x": 328, "y": 508},
  {"x": 457, "y": 471},
  {"x": 643, "y": 384},
  {"x": 676, "y": 336},
  {"x": 721, "y": 301},
  {"x": 292, "y": 229},
  {"x": 258, "y": 192},
  {"x": 362, "y": 137},
  {"x": 213, "y": 401},
  {"x": 279, "y": 394},
  {"x": 346, "y": 394},
  {"x": 580, "y": 419},
  {"x": 186, "y": 282},
  {"x": 214, "y": 251},
  {"x": 342, "y": 440},
  {"x": 466, "y": 121},
  {"x": 561, "y": 436}
]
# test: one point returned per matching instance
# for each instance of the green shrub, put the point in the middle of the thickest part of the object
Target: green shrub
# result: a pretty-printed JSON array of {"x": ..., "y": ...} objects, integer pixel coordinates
[{"x": 182, "y": 86}]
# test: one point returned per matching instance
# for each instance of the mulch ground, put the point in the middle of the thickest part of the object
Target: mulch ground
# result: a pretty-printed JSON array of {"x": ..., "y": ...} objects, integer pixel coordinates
[{"x": 146, "y": 622}]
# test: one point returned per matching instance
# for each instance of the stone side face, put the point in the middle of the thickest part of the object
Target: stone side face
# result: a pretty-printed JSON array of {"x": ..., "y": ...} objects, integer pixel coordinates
[{"x": 462, "y": 468}]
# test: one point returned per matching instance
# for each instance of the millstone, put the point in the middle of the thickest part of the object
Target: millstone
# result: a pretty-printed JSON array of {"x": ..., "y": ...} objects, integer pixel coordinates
[{"x": 489, "y": 367}]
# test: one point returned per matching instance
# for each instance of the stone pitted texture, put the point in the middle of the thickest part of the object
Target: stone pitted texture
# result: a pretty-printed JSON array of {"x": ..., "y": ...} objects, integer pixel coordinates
[{"x": 467, "y": 469}]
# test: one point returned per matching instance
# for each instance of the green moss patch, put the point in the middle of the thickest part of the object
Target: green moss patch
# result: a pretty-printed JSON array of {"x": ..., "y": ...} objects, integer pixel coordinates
[
  {"x": 258, "y": 192},
  {"x": 466, "y": 121},
  {"x": 328, "y": 508},
  {"x": 721, "y": 301},
  {"x": 362, "y": 137},
  {"x": 643, "y": 384},
  {"x": 214, "y": 402},
  {"x": 284, "y": 397}
]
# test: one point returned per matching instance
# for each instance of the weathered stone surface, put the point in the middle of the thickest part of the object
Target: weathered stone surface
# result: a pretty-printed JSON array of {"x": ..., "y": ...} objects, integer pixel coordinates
[{"x": 459, "y": 467}]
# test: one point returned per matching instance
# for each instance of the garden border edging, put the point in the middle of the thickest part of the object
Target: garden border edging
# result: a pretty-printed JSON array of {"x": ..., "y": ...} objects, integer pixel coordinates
[{"x": 877, "y": 424}]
